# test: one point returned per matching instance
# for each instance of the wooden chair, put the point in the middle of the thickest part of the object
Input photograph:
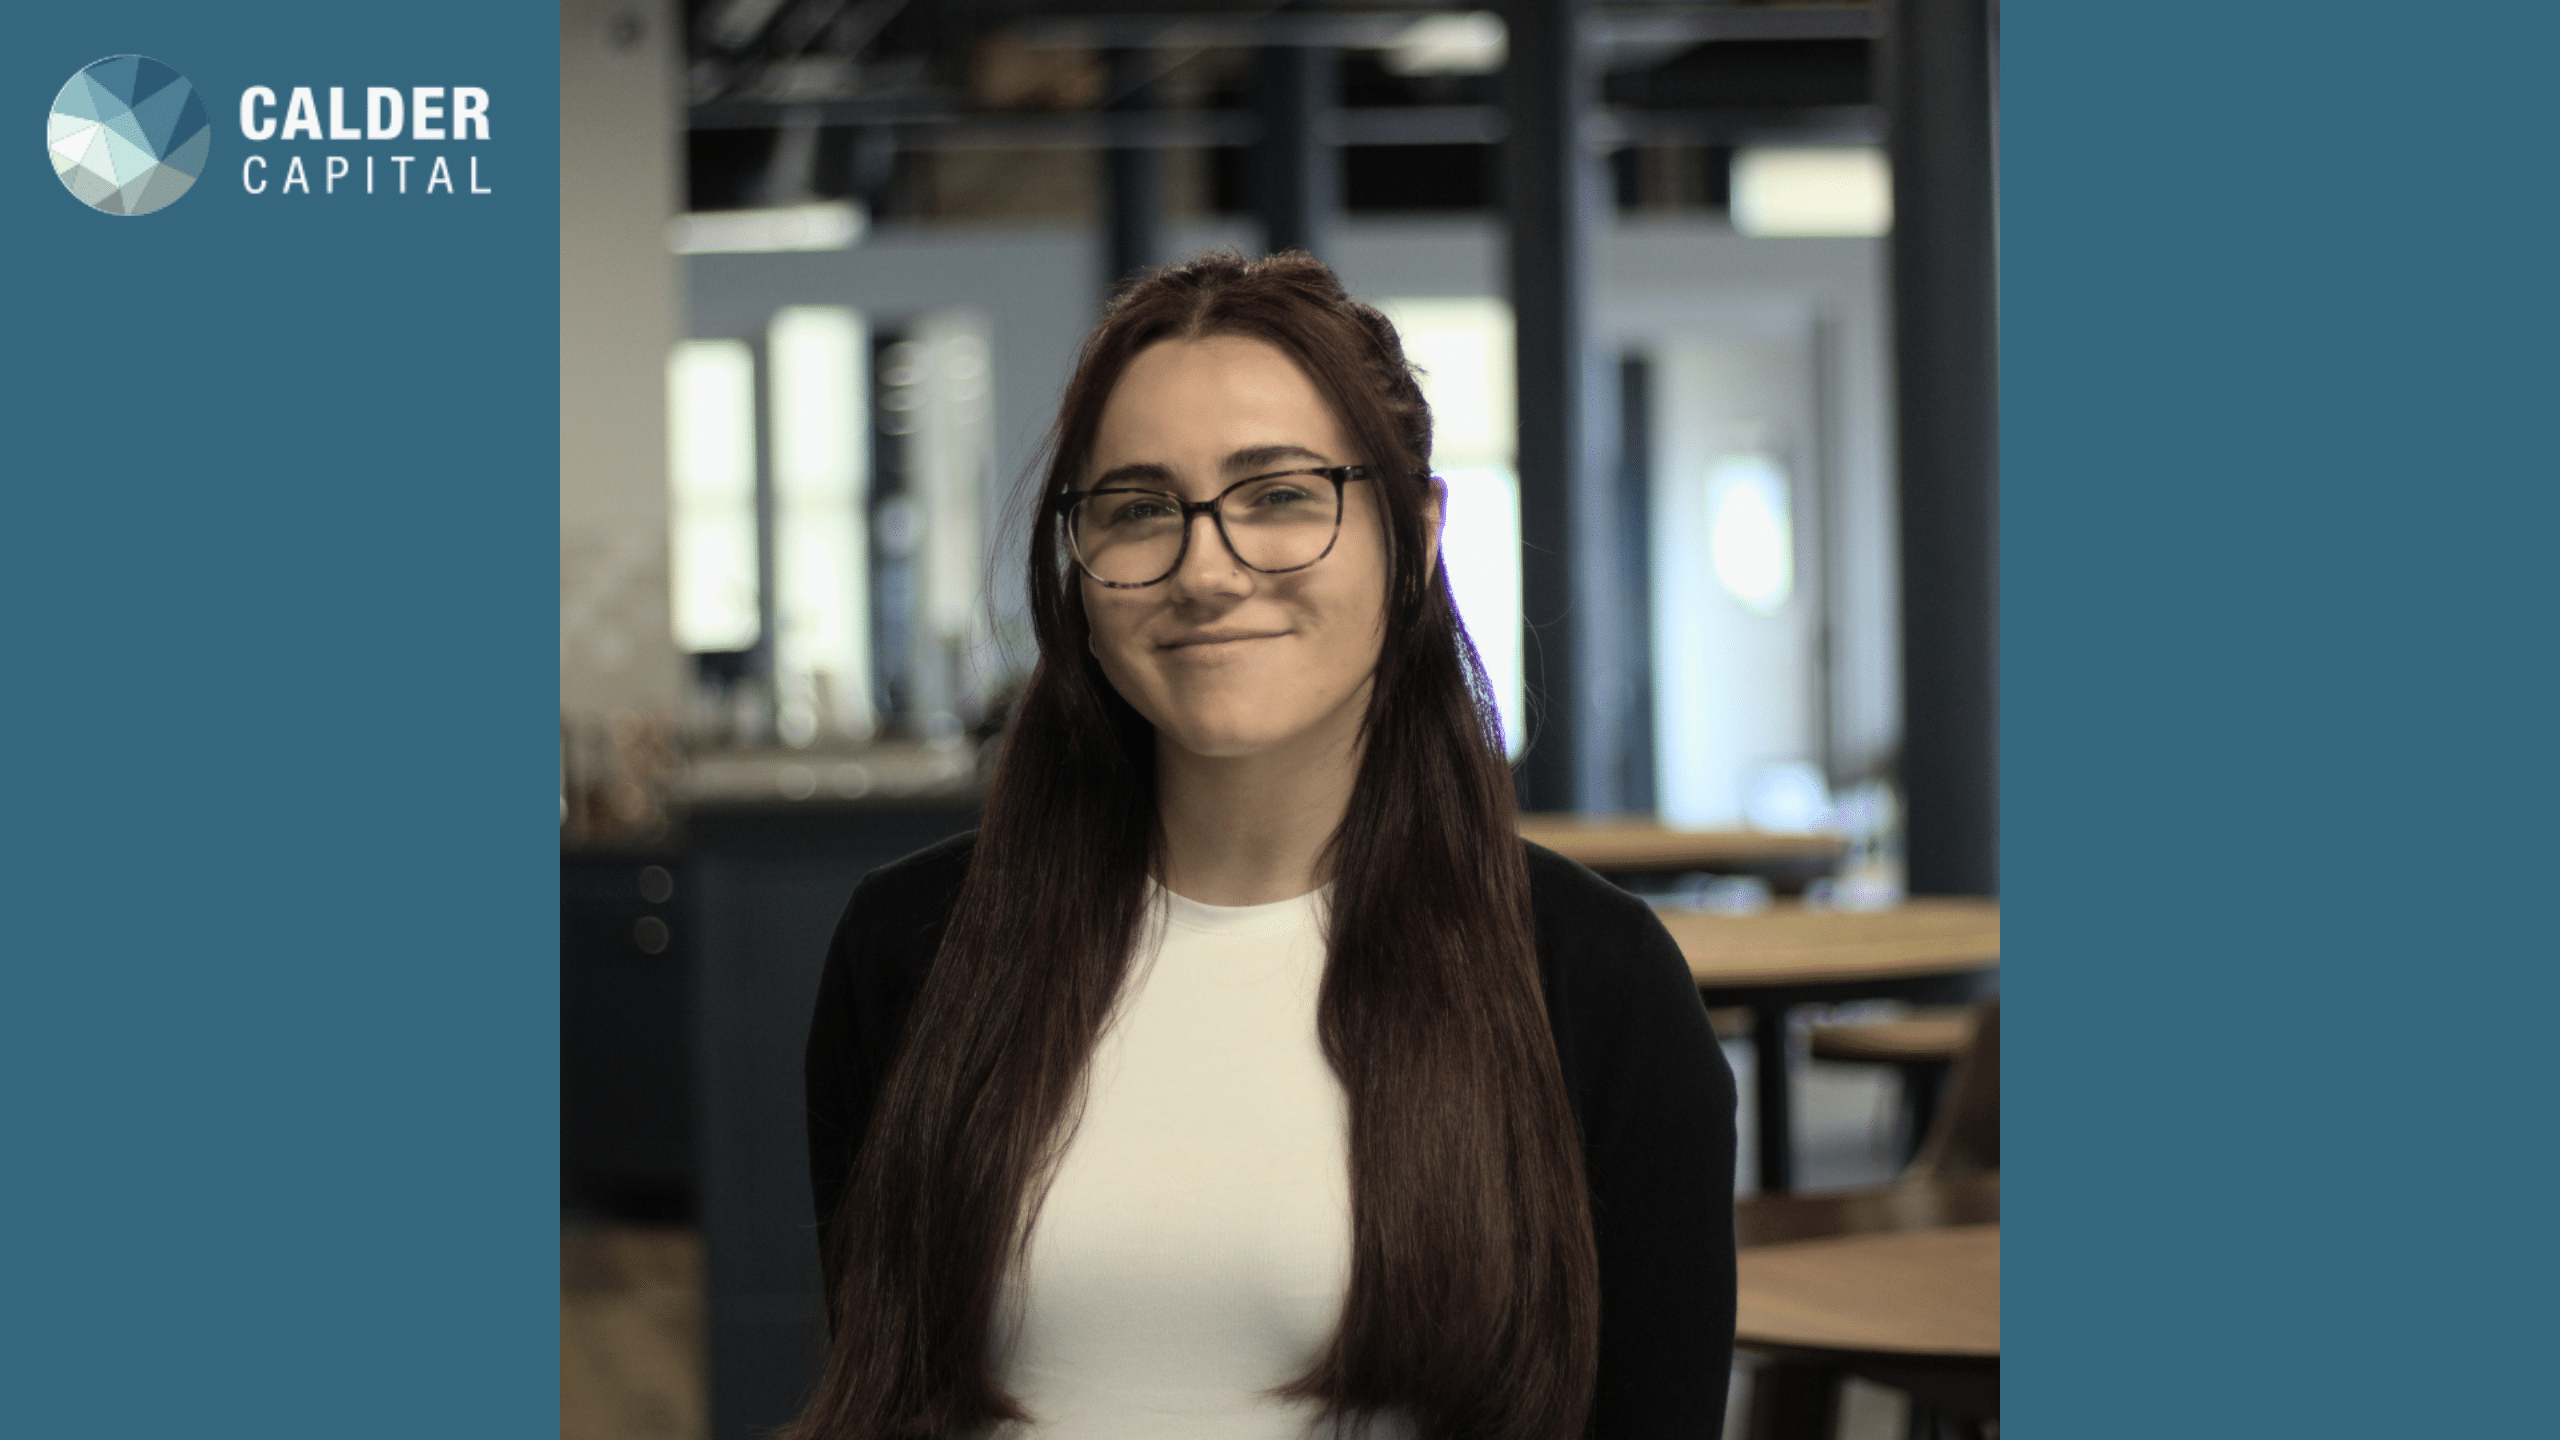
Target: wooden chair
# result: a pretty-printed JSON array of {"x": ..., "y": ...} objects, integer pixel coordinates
[
  {"x": 1921, "y": 1047},
  {"x": 1953, "y": 1181}
]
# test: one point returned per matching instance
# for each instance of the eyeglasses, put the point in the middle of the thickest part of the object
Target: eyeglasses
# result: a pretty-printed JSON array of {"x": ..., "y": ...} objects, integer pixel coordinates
[{"x": 1129, "y": 539}]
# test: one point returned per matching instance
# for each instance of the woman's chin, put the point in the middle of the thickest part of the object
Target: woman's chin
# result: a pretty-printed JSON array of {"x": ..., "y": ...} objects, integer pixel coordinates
[
  {"x": 1239, "y": 722},
  {"x": 1239, "y": 740},
  {"x": 1241, "y": 730}
]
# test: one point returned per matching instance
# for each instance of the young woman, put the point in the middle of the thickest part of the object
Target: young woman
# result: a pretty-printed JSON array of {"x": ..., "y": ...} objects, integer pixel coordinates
[{"x": 1245, "y": 1075}]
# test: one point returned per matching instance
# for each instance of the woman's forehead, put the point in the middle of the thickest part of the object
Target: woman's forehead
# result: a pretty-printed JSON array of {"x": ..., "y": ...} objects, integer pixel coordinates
[{"x": 1193, "y": 404}]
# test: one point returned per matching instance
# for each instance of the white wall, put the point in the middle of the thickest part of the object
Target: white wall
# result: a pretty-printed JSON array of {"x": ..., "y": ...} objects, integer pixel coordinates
[
  {"x": 620, "y": 309},
  {"x": 1665, "y": 280},
  {"x": 1734, "y": 689}
]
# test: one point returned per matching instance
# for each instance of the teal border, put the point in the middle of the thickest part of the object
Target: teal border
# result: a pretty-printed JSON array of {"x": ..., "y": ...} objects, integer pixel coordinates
[
  {"x": 278, "y": 1005},
  {"x": 2278, "y": 755},
  {"x": 277, "y": 1013}
]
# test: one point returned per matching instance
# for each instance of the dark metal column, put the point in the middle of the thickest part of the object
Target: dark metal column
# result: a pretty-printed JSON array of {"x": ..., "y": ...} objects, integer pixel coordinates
[
  {"x": 1133, "y": 191},
  {"x": 1298, "y": 167},
  {"x": 1553, "y": 195},
  {"x": 1941, "y": 82},
  {"x": 1634, "y": 576}
]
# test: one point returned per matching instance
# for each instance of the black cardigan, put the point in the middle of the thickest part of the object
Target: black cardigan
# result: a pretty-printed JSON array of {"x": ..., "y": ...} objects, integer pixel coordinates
[{"x": 1648, "y": 1083}]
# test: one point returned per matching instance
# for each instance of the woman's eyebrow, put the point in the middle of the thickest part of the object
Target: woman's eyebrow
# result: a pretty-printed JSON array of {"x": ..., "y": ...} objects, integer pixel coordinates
[
  {"x": 1252, "y": 458},
  {"x": 1260, "y": 456},
  {"x": 1146, "y": 471}
]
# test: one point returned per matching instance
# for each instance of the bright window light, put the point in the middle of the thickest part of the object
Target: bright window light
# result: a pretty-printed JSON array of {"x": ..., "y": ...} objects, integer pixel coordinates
[
  {"x": 950, "y": 459},
  {"x": 711, "y": 482},
  {"x": 821, "y": 553},
  {"x": 1464, "y": 349},
  {"x": 1749, "y": 535},
  {"x": 1828, "y": 190},
  {"x": 1480, "y": 551},
  {"x": 832, "y": 225},
  {"x": 1470, "y": 44}
]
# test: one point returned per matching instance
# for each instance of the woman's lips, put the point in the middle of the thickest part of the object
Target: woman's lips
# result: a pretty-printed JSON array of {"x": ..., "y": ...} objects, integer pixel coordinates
[{"x": 1215, "y": 640}]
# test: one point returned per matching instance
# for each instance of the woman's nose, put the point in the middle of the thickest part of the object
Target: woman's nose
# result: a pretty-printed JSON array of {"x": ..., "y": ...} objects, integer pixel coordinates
[{"x": 1208, "y": 567}]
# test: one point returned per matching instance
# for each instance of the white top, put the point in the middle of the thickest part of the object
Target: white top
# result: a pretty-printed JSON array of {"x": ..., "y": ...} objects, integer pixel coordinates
[{"x": 1195, "y": 1247}]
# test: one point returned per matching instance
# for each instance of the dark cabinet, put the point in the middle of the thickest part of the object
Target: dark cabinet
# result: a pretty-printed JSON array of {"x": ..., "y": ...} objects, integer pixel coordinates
[
  {"x": 626, "y": 1043},
  {"x": 768, "y": 885}
]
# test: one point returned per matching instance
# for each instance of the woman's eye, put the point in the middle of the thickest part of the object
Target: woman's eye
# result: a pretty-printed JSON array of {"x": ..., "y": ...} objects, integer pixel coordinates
[
  {"x": 1134, "y": 511},
  {"x": 1280, "y": 497}
]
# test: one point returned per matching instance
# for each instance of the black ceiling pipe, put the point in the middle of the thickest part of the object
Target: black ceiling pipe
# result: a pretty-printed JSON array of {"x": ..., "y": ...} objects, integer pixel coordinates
[
  {"x": 1133, "y": 188},
  {"x": 1298, "y": 167},
  {"x": 1941, "y": 79}
]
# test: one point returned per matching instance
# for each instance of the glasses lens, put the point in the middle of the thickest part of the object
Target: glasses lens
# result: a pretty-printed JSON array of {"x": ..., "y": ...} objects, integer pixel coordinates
[
  {"x": 1126, "y": 537},
  {"x": 1282, "y": 522}
]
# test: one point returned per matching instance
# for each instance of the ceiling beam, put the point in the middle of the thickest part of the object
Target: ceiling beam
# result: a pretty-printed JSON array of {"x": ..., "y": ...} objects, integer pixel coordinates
[
  {"x": 1383, "y": 29},
  {"x": 933, "y": 126}
]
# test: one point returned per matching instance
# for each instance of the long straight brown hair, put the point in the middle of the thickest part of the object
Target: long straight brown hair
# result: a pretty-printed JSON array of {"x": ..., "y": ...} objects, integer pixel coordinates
[{"x": 1473, "y": 1303}]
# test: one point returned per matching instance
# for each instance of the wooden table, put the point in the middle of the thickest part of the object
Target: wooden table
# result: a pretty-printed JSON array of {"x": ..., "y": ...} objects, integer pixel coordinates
[
  {"x": 1632, "y": 844},
  {"x": 1916, "y": 1309},
  {"x": 1928, "y": 950}
]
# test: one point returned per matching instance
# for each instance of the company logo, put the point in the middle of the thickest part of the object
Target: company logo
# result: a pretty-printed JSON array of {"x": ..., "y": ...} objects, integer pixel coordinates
[{"x": 128, "y": 135}]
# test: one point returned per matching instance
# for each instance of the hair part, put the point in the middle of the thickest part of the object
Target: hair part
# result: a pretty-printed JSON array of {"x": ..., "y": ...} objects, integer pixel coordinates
[{"x": 1473, "y": 1300}]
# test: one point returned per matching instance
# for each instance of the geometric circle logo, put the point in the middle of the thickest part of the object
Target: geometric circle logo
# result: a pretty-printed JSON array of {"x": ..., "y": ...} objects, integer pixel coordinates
[{"x": 128, "y": 135}]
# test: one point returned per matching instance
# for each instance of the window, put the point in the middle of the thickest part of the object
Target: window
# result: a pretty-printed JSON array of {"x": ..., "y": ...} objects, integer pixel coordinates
[{"x": 1464, "y": 349}]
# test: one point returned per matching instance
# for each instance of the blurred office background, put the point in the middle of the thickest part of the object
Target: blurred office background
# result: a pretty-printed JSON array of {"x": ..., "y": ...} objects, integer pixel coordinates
[{"x": 1704, "y": 297}]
